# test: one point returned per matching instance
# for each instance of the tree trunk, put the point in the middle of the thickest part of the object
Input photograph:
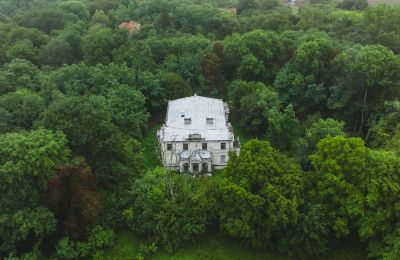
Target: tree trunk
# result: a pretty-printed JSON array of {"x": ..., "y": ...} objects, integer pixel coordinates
[{"x": 362, "y": 123}]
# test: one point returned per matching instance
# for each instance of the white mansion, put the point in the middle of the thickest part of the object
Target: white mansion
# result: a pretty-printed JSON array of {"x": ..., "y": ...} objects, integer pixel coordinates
[{"x": 196, "y": 137}]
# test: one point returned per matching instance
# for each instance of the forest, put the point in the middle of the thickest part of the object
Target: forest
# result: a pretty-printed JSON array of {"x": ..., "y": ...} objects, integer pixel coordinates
[{"x": 313, "y": 88}]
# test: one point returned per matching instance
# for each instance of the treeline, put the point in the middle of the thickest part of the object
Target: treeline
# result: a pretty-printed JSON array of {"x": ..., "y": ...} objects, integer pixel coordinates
[{"x": 320, "y": 86}]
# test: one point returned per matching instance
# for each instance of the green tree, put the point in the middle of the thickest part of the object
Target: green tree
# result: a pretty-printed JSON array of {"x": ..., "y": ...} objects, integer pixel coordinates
[
  {"x": 22, "y": 50},
  {"x": 175, "y": 86},
  {"x": 100, "y": 238},
  {"x": 381, "y": 26},
  {"x": 28, "y": 160},
  {"x": 247, "y": 7},
  {"x": 129, "y": 111},
  {"x": 316, "y": 132},
  {"x": 76, "y": 8},
  {"x": 304, "y": 81},
  {"x": 260, "y": 113},
  {"x": 261, "y": 195},
  {"x": 97, "y": 45},
  {"x": 87, "y": 123},
  {"x": 378, "y": 225},
  {"x": 353, "y": 4},
  {"x": 19, "y": 74},
  {"x": 384, "y": 131},
  {"x": 101, "y": 18},
  {"x": 340, "y": 168},
  {"x": 56, "y": 52},
  {"x": 22, "y": 107},
  {"x": 45, "y": 19},
  {"x": 253, "y": 56},
  {"x": 170, "y": 209},
  {"x": 372, "y": 71}
]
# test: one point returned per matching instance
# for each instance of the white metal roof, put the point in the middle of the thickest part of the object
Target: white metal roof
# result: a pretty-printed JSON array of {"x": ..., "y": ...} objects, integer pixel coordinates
[{"x": 196, "y": 110}]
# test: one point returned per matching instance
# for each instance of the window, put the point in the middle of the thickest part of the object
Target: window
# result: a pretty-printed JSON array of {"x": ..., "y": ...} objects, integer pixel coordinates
[
  {"x": 169, "y": 147},
  {"x": 223, "y": 146},
  {"x": 188, "y": 121},
  {"x": 223, "y": 158},
  {"x": 204, "y": 146},
  {"x": 195, "y": 167},
  {"x": 210, "y": 120},
  {"x": 185, "y": 147},
  {"x": 185, "y": 167}
]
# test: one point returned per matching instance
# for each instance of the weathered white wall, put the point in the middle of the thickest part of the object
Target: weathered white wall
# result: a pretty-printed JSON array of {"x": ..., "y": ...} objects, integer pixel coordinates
[{"x": 172, "y": 158}]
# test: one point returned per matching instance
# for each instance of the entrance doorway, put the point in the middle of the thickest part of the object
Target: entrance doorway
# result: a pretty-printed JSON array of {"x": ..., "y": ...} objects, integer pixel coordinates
[{"x": 195, "y": 167}]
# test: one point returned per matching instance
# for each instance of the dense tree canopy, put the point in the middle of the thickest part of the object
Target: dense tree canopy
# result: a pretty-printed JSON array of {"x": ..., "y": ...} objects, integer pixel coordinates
[{"x": 315, "y": 83}]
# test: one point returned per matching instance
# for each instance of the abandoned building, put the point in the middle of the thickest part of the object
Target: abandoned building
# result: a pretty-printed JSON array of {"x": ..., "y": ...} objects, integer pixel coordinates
[{"x": 197, "y": 137}]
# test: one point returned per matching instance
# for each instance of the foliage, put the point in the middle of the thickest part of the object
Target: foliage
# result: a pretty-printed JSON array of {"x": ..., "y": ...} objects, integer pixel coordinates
[
  {"x": 66, "y": 249},
  {"x": 372, "y": 68},
  {"x": 170, "y": 209},
  {"x": 27, "y": 162},
  {"x": 73, "y": 198},
  {"x": 87, "y": 123},
  {"x": 261, "y": 195},
  {"x": 260, "y": 112},
  {"x": 21, "y": 109},
  {"x": 316, "y": 132},
  {"x": 175, "y": 86},
  {"x": 308, "y": 78},
  {"x": 100, "y": 238},
  {"x": 340, "y": 164}
]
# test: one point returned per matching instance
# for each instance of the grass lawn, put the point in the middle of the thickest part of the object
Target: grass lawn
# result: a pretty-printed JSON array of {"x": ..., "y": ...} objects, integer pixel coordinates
[{"x": 216, "y": 248}]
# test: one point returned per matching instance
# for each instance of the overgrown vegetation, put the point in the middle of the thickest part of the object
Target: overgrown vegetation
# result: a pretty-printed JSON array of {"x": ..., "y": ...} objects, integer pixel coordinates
[{"x": 313, "y": 92}]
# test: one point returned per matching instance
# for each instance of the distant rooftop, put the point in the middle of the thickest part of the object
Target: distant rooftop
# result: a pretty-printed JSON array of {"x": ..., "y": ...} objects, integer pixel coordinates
[
  {"x": 230, "y": 10},
  {"x": 130, "y": 26}
]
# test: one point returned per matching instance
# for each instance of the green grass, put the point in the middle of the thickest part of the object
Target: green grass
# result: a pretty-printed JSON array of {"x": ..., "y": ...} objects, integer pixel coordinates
[
  {"x": 149, "y": 145},
  {"x": 126, "y": 247},
  {"x": 219, "y": 248}
]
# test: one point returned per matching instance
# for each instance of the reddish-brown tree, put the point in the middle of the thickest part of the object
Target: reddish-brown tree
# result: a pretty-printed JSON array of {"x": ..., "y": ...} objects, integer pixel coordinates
[
  {"x": 73, "y": 197},
  {"x": 212, "y": 72}
]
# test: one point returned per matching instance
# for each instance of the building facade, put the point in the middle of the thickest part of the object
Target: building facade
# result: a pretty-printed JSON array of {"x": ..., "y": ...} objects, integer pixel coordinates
[{"x": 197, "y": 136}]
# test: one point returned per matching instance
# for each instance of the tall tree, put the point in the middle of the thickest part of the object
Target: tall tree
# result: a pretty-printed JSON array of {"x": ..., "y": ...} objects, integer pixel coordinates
[
  {"x": 367, "y": 77},
  {"x": 23, "y": 108},
  {"x": 72, "y": 196},
  {"x": 261, "y": 195}
]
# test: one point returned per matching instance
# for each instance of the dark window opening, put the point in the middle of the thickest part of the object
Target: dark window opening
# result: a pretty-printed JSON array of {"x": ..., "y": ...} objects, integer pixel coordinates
[
  {"x": 188, "y": 121},
  {"x": 223, "y": 146},
  {"x": 169, "y": 147},
  {"x": 186, "y": 167},
  {"x": 204, "y": 146},
  {"x": 195, "y": 167},
  {"x": 185, "y": 147}
]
